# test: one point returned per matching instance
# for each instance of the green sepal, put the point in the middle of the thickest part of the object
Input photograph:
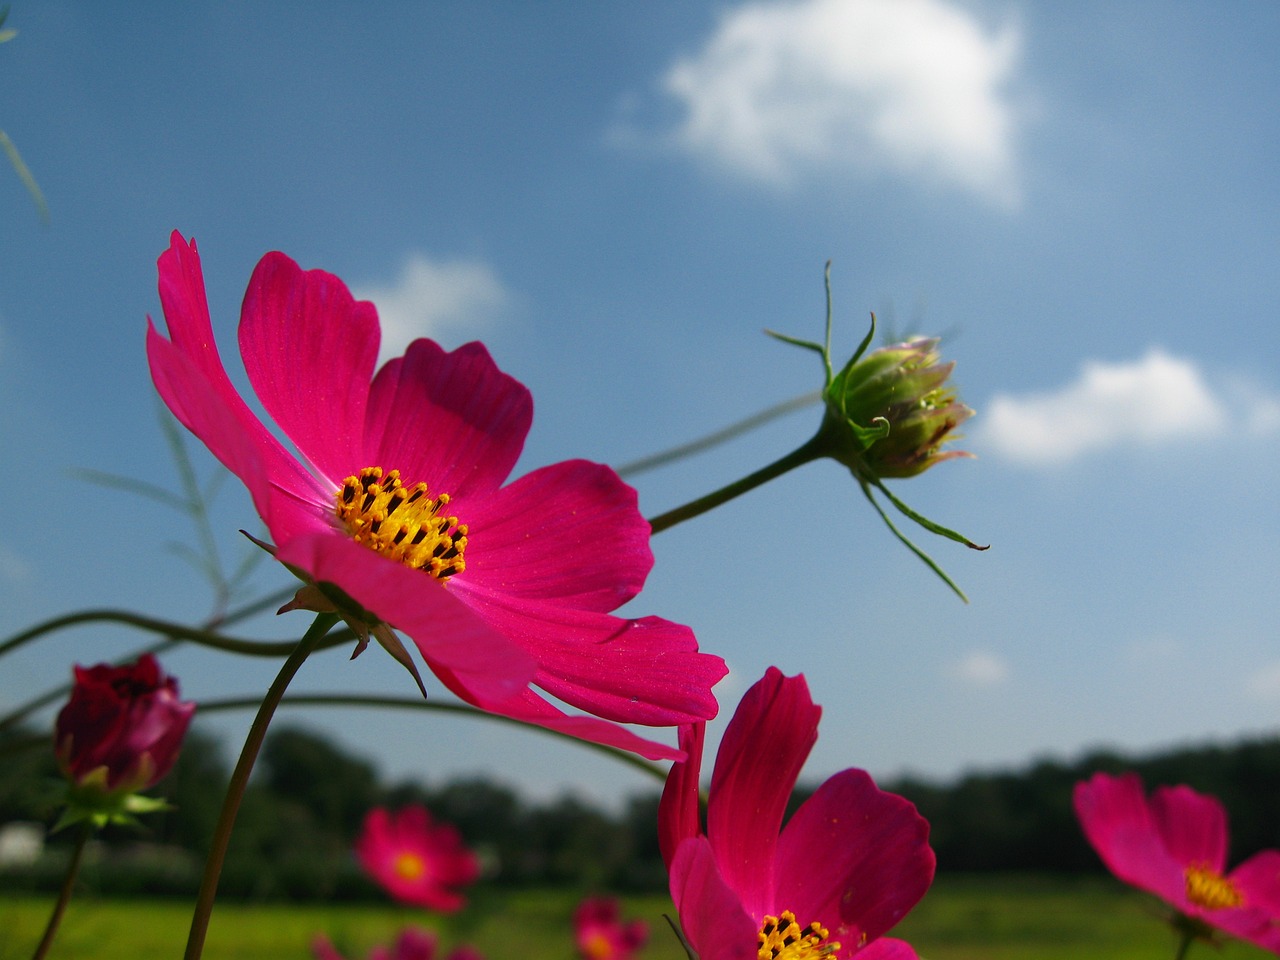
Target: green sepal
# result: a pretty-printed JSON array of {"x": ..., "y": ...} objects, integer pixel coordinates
[
  {"x": 866, "y": 436},
  {"x": 925, "y": 522},
  {"x": 89, "y": 802},
  {"x": 906, "y": 542},
  {"x": 797, "y": 342}
]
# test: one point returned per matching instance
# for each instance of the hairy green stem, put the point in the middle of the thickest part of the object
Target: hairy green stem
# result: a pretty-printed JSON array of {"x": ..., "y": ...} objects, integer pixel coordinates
[
  {"x": 803, "y": 454},
  {"x": 64, "y": 895},
  {"x": 240, "y": 779}
]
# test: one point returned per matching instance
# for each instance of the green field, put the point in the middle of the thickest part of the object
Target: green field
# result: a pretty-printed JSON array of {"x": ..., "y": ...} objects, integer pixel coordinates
[{"x": 961, "y": 919}]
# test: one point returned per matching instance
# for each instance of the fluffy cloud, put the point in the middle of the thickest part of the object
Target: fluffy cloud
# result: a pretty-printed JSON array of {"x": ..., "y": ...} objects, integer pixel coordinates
[
  {"x": 431, "y": 297},
  {"x": 981, "y": 668},
  {"x": 1156, "y": 400},
  {"x": 907, "y": 86}
]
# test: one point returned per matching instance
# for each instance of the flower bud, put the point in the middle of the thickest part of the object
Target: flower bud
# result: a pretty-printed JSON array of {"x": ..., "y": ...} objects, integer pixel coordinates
[
  {"x": 889, "y": 412},
  {"x": 119, "y": 733}
]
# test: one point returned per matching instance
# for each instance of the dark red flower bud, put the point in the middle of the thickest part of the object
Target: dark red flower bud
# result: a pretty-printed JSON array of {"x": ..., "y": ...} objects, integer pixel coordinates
[{"x": 121, "y": 730}]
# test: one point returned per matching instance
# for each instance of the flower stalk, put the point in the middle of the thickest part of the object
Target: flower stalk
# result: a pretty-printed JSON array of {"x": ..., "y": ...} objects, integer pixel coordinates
[
  {"x": 64, "y": 895},
  {"x": 310, "y": 641}
]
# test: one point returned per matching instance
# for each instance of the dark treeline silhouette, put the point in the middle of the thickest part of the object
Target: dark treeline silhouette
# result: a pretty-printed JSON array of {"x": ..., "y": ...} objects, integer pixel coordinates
[{"x": 308, "y": 798}]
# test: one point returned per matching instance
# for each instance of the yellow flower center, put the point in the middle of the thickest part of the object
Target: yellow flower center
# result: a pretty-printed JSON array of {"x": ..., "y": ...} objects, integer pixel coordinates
[
  {"x": 781, "y": 938},
  {"x": 1211, "y": 890},
  {"x": 409, "y": 866},
  {"x": 402, "y": 523}
]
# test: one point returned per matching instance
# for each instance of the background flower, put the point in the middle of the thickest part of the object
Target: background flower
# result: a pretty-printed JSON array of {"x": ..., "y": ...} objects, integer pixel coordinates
[
  {"x": 414, "y": 943},
  {"x": 416, "y": 859},
  {"x": 1175, "y": 846},
  {"x": 601, "y": 934}
]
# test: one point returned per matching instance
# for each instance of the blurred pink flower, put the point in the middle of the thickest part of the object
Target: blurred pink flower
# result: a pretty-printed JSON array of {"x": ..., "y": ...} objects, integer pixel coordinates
[
  {"x": 1175, "y": 846},
  {"x": 414, "y": 943},
  {"x": 122, "y": 727},
  {"x": 417, "y": 859},
  {"x": 850, "y": 863},
  {"x": 395, "y": 514},
  {"x": 601, "y": 934}
]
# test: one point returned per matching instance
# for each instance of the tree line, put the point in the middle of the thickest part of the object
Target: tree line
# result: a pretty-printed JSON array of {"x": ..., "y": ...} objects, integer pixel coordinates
[{"x": 308, "y": 799}]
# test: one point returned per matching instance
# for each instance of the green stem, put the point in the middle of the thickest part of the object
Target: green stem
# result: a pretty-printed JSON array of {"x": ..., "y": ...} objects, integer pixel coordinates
[
  {"x": 803, "y": 454},
  {"x": 240, "y": 779},
  {"x": 1184, "y": 946},
  {"x": 64, "y": 895}
]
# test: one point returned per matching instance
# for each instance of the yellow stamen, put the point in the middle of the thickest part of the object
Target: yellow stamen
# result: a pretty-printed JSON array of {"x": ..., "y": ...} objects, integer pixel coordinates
[
  {"x": 409, "y": 866},
  {"x": 1211, "y": 890},
  {"x": 781, "y": 938},
  {"x": 402, "y": 523}
]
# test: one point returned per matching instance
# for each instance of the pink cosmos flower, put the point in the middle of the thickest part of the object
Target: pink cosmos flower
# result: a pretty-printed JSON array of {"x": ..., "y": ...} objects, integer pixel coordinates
[
  {"x": 414, "y": 943},
  {"x": 1175, "y": 846},
  {"x": 394, "y": 510},
  {"x": 601, "y": 934},
  {"x": 122, "y": 727},
  {"x": 849, "y": 864},
  {"x": 416, "y": 859}
]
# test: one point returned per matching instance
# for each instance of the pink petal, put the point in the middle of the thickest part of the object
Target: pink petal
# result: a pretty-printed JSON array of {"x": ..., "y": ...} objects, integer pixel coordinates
[
  {"x": 886, "y": 948},
  {"x": 853, "y": 857},
  {"x": 761, "y": 753},
  {"x": 1192, "y": 825},
  {"x": 571, "y": 532},
  {"x": 1117, "y": 822},
  {"x": 1258, "y": 878},
  {"x": 712, "y": 917},
  {"x": 645, "y": 671},
  {"x": 445, "y": 629},
  {"x": 1256, "y": 926},
  {"x": 679, "y": 814},
  {"x": 322, "y": 949},
  {"x": 451, "y": 420},
  {"x": 309, "y": 350}
]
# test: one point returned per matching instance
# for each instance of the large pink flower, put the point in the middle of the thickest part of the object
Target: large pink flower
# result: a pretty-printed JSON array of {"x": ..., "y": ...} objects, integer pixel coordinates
[
  {"x": 849, "y": 864},
  {"x": 602, "y": 935},
  {"x": 1175, "y": 846},
  {"x": 416, "y": 859},
  {"x": 396, "y": 507}
]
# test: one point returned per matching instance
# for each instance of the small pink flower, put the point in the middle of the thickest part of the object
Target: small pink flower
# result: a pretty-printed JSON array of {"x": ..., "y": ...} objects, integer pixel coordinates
[
  {"x": 416, "y": 859},
  {"x": 121, "y": 730},
  {"x": 414, "y": 943},
  {"x": 1175, "y": 846},
  {"x": 395, "y": 513},
  {"x": 601, "y": 934},
  {"x": 850, "y": 863}
]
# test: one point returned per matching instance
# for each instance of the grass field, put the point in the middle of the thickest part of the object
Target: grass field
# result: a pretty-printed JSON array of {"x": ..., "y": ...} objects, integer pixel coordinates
[{"x": 970, "y": 918}]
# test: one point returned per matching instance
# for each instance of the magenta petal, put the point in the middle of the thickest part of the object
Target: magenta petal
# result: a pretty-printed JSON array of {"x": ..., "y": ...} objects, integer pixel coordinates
[
  {"x": 451, "y": 420},
  {"x": 886, "y": 948},
  {"x": 1258, "y": 878},
  {"x": 309, "y": 350},
  {"x": 1117, "y": 822},
  {"x": 679, "y": 812},
  {"x": 854, "y": 857},
  {"x": 570, "y": 532},
  {"x": 712, "y": 917},
  {"x": 1192, "y": 825},
  {"x": 761, "y": 753},
  {"x": 645, "y": 671},
  {"x": 445, "y": 629}
]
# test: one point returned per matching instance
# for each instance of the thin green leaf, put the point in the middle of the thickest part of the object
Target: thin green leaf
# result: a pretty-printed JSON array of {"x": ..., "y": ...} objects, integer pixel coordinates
[
  {"x": 925, "y": 522},
  {"x": 928, "y": 560},
  {"x": 25, "y": 175},
  {"x": 135, "y": 486},
  {"x": 796, "y": 342}
]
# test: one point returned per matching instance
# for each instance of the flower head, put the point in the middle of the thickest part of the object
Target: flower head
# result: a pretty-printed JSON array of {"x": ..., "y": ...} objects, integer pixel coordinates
[
  {"x": 601, "y": 934},
  {"x": 416, "y": 859},
  {"x": 414, "y": 943},
  {"x": 119, "y": 733},
  {"x": 395, "y": 512},
  {"x": 1174, "y": 844},
  {"x": 849, "y": 864}
]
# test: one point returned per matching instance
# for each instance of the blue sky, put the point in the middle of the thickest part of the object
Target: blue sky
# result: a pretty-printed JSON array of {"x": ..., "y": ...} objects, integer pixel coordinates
[{"x": 1083, "y": 203}]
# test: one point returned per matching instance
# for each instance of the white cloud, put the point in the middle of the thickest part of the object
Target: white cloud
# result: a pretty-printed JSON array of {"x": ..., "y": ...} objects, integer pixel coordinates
[
  {"x": 1157, "y": 400},
  {"x": 980, "y": 668},
  {"x": 432, "y": 296},
  {"x": 906, "y": 86}
]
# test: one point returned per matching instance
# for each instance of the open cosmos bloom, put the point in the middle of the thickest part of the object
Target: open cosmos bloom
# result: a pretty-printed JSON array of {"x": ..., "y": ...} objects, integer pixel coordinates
[
  {"x": 414, "y": 943},
  {"x": 395, "y": 514},
  {"x": 849, "y": 864},
  {"x": 415, "y": 859},
  {"x": 119, "y": 732},
  {"x": 601, "y": 933},
  {"x": 1174, "y": 845}
]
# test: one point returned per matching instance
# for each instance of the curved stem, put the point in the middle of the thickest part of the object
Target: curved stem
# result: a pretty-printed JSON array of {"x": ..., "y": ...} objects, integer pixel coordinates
[
  {"x": 1184, "y": 946},
  {"x": 240, "y": 779},
  {"x": 64, "y": 895},
  {"x": 811, "y": 450},
  {"x": 417, "y": 703}
]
